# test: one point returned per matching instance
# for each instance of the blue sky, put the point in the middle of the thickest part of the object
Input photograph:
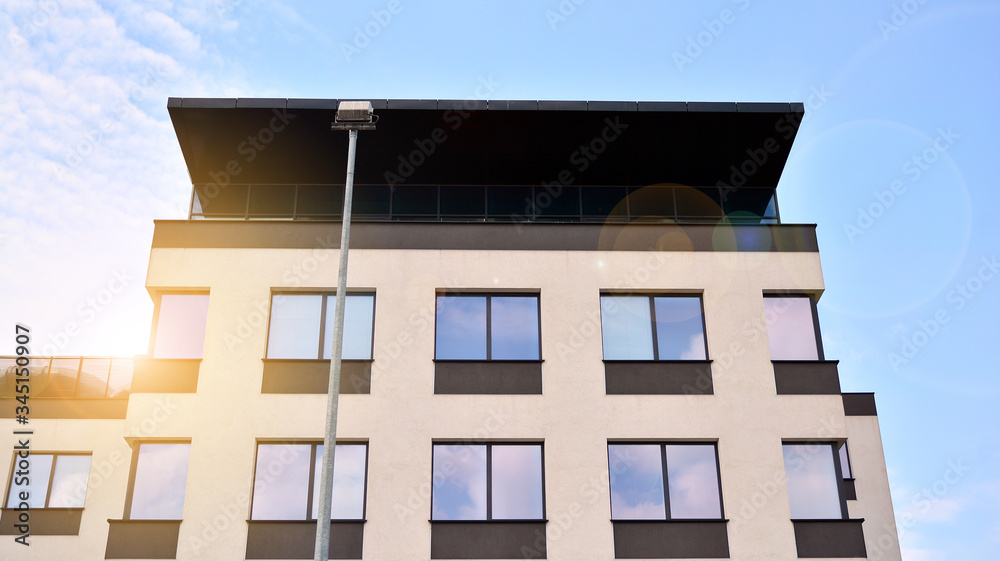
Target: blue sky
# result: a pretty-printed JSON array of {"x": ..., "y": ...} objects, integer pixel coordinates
[{"x": 892, "y": 163}]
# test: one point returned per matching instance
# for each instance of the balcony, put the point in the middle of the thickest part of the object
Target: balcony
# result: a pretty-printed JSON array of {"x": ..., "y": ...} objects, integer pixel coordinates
[{"x": 67, "y": 387}]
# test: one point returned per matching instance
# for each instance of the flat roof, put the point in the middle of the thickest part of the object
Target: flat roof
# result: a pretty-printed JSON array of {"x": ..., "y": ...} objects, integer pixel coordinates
[{"x": 488, "y": 142}]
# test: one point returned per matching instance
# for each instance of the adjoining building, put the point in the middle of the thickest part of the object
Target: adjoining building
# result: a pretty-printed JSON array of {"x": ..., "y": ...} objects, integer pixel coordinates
[{"x": 574, "y": 331}]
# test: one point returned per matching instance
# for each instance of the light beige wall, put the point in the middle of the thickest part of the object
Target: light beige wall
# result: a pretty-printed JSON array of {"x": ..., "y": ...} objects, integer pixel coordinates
[{"x": 573, "y": 417}]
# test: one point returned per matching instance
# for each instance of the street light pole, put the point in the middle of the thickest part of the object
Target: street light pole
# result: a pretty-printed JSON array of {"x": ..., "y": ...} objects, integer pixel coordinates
[{"x": 351, "y": 116}]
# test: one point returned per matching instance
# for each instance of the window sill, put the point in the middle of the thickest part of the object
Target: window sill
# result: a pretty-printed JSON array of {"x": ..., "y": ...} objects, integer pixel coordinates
[
  {"x": 44, "y": 521},
  {"x": 806, "y": 377},
  {"x": 833, "y": 538},
  {"x": 488, "y": 539},
  {"x": 296, "y": 539},
  {"x": 305, "y": 376},
  {"x": 658, "y": 377},
  {"x": 166, "y": 375},
  {"x": 491, "y": 377},
  {"x": 671, "y": 539},
  {"x": 142, "y": 539}
]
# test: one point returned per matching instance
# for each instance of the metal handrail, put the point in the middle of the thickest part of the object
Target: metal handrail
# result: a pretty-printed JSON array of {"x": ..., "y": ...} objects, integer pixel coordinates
[{"x": 88, "y": 374}]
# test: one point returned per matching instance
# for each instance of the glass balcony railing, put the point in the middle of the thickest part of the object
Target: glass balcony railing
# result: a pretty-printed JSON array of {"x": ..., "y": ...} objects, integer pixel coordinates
[
  {"x": 69, "y": 377},
  {"x": 487, "y": 203}
]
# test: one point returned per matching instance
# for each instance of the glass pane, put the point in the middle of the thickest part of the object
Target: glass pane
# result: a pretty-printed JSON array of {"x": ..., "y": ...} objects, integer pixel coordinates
[
  {"x": 697, "y": 202},
  {"x": 463, "y": 201},
  {"x": 326, "y": 201},
  {"x": 93, "y": 377},
  {"x": 272, "y": 200},
  {"x": 359, "y": 316},
  {"x": 517, "y": 482},
  {"x": 756, "y": 202},
  {"x": 8, "y": 377},
  {"x": 180, "y": 330},
  {"x": 790, "y": 329},
  {"x": 459, "y": 483},
  {"x": 371, "y": 201},
  {"x": 69, "y": 484},
  {"x": 281, "y": 482},
  {"x": 812, "y": 481},
  {"x": 693, "y": 480},
  {"x": 651, "y": 202},
  {"x": 680, "y": 333},
  {"x": 61, "y": 379},
  {"x": 414, "y": 200},
  {"x": 120, "y": 382},
  {"x": 600, "y": 202},
  {"x": 514, "y": 327},
  {"x": 39, "y": 467},
  {"x": 461, "y": 328},
  {"x": 565, "y": 202},
  {"x": 845, "y": 463},
  {"x": 348, "y": 482},
  {"x": 509, "y": 203},
  {"x": 636, "y": 472},
  {"x": 294, "y": 329},
  {"x": 625, "y": 328},
  {"x": 221, "y": 201},
  {"x": 160, "y": 481}
]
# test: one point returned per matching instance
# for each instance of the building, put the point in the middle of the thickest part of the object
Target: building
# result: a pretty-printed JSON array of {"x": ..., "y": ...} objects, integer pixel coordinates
[{"x": 575, "y": 331}]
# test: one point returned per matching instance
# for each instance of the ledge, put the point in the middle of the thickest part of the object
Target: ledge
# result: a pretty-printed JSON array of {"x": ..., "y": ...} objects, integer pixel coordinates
[
  {"x": 166, "y": 375},
  {"x": 671, "y": 539},
  {"x": 296, "y": 539},
  {"x": 67, "y": 408},
  {"x": 830, "y": 538},
  {"x": 494, "y": 539},
  {"x": 665, "y": 377},
  {"x": 514, "y": 377},
  {"x": 486, "y": 236},
  {"x": 142, "y": 539},
  {"x": 313, "y": 376},
  {"x": 806, "y": 377},
  {"x": 43, "y": 521}
]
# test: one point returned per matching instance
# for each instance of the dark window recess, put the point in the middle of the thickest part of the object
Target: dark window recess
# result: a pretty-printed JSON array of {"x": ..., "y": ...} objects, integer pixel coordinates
[
  {"x": 463, "y": 201},
  {"x": 414, "y": 201},
  {"x": 600, "y": 203},
  {"x": 510, "y": 204},
  {"x": 272, "y": 200},
  {"x": 320, "y": 201},
  {"x": 371, "y": 201}
]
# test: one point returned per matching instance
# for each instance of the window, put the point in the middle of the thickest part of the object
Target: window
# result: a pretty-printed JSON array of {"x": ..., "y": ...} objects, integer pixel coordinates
[
  {"x": 815, "y": 486},
  {"x": 180, "y": 326},
  {"x": 49, "y": 480},
  {"x": 487, "y": 482},
  {"x": 652, "y": 328},
  {"x": 287, "y": 478},
  {"x": 792, "y": 329},
  {"x": 488, "y": 327},
  {"x": 637, "y": 473},
  {"x": 302, "y": 326},
  {"x": 159, "y": 478},
  {"x": 845, "y": 463}
]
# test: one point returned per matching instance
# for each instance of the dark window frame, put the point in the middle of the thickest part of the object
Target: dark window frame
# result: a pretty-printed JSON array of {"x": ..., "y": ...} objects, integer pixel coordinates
[
  {"x": 489, "y": 478},
  {"x": 662, "y": 444},
  {"x": 489, "y": 328},
  {"x": 52, "y": 475},
  {"x": 311, "y": 478},
  {"x": 652, "y": 321},
  {"x": 134, "y": 463},
  {"x": 322, "y": 318},
  {"x": 834, "y": 448},
  {"x": 820, "y": 355}
]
